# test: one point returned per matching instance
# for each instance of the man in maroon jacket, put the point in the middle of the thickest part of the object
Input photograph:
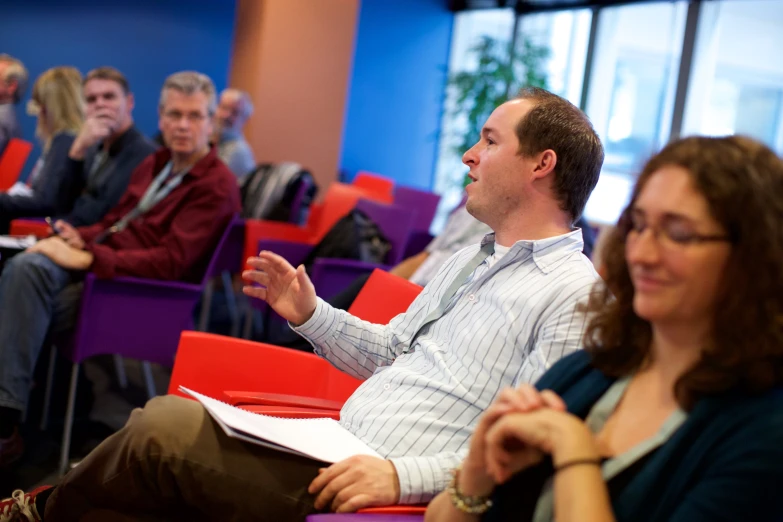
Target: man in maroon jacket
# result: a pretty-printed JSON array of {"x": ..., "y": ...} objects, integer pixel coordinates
[{"x": 166, "y": 226}]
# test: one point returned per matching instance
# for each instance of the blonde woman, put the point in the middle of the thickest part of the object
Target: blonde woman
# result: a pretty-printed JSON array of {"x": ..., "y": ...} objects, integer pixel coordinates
[{"x": 58, "y": 104}]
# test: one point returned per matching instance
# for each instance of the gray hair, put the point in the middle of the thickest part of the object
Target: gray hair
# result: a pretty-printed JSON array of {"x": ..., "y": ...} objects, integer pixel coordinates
[
  {"x": 188, "y": 83},
  {"x": 15, "y": 72},
  {"x": 245, "y": 103}
]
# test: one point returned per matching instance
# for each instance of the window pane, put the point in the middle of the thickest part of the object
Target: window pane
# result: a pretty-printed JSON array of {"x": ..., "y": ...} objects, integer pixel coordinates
[
  {"x": 631, "y": 95},
  {"x": 565, "y": 33},
  {"x": 737, "y": 79},
  {"x": 469, "y": 29}
]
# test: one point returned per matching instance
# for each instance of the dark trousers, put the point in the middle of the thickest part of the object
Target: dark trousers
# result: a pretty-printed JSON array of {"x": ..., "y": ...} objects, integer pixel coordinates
[{"x": 37, "y": 297}]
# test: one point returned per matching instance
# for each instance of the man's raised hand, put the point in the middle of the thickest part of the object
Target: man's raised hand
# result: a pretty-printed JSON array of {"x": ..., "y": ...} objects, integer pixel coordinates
[{"x": 288, "y": 290}]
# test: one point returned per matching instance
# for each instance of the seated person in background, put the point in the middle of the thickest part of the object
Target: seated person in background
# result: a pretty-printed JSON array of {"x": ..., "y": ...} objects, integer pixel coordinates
[
  {"x": 494, "y": 316},
  {"x": 674, "y": 411},
  {"x": 177, "y": 205},
  {"x": 233, "y": 111},
  {"x": 57, "y": 101},
  {"x": 108, "y": 148},
  {"x": 13, "y": 84}
]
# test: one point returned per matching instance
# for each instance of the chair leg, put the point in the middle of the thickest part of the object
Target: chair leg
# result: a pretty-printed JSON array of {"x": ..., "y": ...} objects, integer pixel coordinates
[
  {"x": 231, "y": 302},
  {"x": 149, "y": 382},
  {"x": 68, "y": 428},
  {"x": 248, "y": 330},
  {"x": 119, "y": 368},
  {"x": 206, "y": 303},
  {"x": 48, "y": 391}
]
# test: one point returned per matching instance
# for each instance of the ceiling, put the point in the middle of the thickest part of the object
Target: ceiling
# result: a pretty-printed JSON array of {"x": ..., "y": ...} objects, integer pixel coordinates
[{"x": 533, "y": 6}]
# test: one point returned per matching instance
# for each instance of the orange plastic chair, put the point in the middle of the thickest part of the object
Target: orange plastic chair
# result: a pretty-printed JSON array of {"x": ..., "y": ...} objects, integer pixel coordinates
[
  {"x": 338, "y": 201},
  {"x": 12, "y": 162},
  {"x": 374, "y": 183}
]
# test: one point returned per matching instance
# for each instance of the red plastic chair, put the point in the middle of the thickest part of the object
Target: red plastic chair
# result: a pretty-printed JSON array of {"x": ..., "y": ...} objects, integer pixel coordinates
[
  {"x": 338, "y": 201},
  {"x": 12, "y": 162},
  {"x": 374, "y": 182},
  {"x": 288, "y": 383},
  {"x": 30, "y": 226},
  {"x": 214, "y": 365}
]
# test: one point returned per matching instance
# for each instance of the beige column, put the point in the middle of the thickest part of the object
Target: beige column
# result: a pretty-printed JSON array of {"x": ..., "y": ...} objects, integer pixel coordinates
[{"x": 294, "y": 58}]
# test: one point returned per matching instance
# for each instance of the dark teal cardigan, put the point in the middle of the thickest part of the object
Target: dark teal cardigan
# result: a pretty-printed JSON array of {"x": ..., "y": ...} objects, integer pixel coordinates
[{"x": 725, "y": 463}]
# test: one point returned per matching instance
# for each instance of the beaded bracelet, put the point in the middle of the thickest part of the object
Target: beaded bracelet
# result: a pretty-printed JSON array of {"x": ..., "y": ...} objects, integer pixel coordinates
[{"x": 475, "y": 505}]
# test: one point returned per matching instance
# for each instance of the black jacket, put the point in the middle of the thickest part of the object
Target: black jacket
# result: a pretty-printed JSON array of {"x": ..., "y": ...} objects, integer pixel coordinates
[{"x": 99, "y": 191}]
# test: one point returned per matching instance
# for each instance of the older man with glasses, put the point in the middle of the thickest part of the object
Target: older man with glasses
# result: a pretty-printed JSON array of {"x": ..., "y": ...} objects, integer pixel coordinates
[{"x": 165, "y": 227}]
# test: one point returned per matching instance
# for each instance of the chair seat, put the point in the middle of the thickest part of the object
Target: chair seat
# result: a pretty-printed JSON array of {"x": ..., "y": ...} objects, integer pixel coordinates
[{"x": 362, "y": 517}]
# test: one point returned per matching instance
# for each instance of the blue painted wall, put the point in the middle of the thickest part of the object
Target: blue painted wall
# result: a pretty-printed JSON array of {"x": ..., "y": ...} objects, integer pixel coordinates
[
  {"x": 396, "y": 91},
  {"x": 145, "y": 39}
]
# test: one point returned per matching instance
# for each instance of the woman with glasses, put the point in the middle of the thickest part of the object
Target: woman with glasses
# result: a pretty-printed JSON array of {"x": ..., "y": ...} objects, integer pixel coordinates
[
  {"x": 674, "y": 410},
  {"x": 58, "y": 104}
]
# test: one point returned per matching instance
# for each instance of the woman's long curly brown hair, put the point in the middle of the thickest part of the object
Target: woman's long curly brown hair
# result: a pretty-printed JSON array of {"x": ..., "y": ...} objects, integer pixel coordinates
[{"x": 742, "y": 181}]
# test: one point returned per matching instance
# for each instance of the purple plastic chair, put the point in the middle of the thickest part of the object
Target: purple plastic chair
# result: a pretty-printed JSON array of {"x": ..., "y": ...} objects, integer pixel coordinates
[
  {"x": 423, "y": 205},
  {"x": 330, "y": 275},
  {"x": 137, "y": 318},
  {"x": 300, "y": 210},
  {"x": 354, "y": 517}
]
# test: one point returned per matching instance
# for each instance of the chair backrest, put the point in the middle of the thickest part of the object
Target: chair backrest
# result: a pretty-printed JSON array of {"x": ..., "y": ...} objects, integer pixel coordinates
[
  {"x": 338, "y": 201},
  {"x": 228, "y": 252},
  {"x": 374, "y": 183},
  {"x": 12, "y": 161},
  {"x": 212, "y": 364},
  {"x": 383, "y": 296},
  {"x": 422, "y": 204},
  {"x": 395, "y": 223}
]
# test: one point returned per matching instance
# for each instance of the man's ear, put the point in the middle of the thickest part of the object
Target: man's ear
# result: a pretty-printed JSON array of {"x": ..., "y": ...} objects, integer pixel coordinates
[
  {"x": 545, "y": 165},
  {"x": 12, "y": 86},
  {"x": 131, "y": 101}
]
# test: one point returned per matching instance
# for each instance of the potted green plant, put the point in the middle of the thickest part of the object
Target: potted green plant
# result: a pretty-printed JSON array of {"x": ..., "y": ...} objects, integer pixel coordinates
[{"x": 503, "y": 68}]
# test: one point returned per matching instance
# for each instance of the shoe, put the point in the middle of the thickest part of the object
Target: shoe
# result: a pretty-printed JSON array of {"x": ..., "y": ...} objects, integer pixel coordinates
[
  {"x": 21, "y": 506},
  {"x": 11, "y": 449}
]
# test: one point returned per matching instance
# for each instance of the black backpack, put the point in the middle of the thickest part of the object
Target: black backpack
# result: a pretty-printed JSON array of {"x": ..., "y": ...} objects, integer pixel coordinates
[
  {"x": 354, "y": 236},
  {"x": 269, "y": 191}
]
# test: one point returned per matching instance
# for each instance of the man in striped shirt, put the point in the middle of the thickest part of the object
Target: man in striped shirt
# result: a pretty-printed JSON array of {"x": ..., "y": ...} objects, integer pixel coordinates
[{"x": 496, "y": 314}]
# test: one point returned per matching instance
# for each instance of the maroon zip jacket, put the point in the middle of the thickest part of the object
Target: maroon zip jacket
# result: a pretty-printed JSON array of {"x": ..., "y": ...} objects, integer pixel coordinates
[{"x": 175, "y": 239}]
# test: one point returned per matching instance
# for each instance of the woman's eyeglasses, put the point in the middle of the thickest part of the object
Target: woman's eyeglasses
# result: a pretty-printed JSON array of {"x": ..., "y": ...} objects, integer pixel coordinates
[{"x": 671, "y": 231}]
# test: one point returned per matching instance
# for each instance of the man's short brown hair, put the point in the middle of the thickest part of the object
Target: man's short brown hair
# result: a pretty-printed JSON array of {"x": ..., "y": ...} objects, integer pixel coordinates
[
  {"x": 108, "y": 73},
  {"x": 555, "y": 123}
]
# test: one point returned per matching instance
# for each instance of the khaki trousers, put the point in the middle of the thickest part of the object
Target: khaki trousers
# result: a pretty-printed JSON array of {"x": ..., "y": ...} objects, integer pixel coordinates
[{"x": 171, "y": 461}]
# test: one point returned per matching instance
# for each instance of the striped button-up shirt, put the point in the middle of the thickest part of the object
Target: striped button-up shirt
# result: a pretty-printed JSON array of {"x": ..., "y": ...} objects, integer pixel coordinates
[{"x": 423, "y": 396}]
